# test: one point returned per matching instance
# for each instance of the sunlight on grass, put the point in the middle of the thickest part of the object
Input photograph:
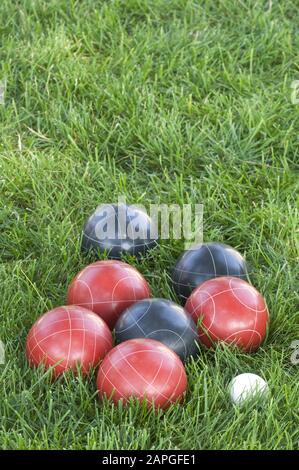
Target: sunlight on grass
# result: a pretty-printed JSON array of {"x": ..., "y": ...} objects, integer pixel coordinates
[{"x": 188, "y": 103}]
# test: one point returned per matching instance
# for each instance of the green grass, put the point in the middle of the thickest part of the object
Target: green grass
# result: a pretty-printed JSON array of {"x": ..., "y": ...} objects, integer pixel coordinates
[{"x": 163, "y": 102}]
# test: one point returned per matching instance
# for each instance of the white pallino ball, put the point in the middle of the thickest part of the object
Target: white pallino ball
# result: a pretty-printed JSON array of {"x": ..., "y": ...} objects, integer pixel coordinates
[{"x": 247, "y": 386}]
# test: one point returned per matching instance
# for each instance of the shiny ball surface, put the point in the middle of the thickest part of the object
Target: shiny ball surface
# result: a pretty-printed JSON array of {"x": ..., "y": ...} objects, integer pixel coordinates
[
  {"x": 118, "y": 229},
  {"x": 108, "y": 288},
  {"x": 144, "y": 369},
  {"x": 229, "y": 309},
  {"x": 66, "y": 337},
  {"x": 246, "y": 387},
  {"x": 162, "y": 320},
  {"x": 204, "y": 262}
]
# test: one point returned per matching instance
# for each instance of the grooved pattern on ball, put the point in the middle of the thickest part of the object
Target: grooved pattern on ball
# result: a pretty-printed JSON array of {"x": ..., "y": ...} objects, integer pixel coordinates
[
  {"x": 231, "y": 310},
  {"x": 131, "y": 231},
  {"x": 108, "y": 288},
  {"x": 67, "y": 336},
  {"x": 162, "y": 320},
  {"x": 145, "y": 369},
  {"x": 204, "y": 262}
]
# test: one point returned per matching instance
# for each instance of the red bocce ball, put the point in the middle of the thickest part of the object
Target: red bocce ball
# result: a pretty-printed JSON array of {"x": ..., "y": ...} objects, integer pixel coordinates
[
  {"x": 66, "y": 337},
  {"x": 231, "y": 310},
  {"x": 144, "y": 369},
  {"x": 108, "y": 288}
]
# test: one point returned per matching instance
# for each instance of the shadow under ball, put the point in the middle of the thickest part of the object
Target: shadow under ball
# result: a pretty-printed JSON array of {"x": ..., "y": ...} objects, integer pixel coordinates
[
  {"x": 117, "y": 229},
  {"x": 204, "y": 262},
  {"x": 162, "y": 320}
]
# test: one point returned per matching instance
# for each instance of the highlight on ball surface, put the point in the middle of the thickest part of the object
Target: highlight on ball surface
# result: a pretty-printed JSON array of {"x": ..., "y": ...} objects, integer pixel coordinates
[
  {"x": 203, "y": 262},
  {"x": 162, "y": 320},
  {"x": 144, "y": 369},
  {"x": 108, "y": 288},
  {"x": 117, "y": 230},
  {"x": 229, "y": 309},
  {"x": 247, "y": 387},
  {"x": 67, "y": 337}
]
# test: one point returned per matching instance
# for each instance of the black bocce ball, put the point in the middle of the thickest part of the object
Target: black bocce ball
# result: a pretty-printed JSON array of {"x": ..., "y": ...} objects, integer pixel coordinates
[
  {"x": 204, "y": 262},
  {"x": 117, "y": 229},
  {"x": 162, "y": 320}
]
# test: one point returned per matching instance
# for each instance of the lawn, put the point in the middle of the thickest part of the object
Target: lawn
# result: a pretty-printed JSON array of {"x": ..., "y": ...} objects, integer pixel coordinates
[{"x": 160, "y": 102}]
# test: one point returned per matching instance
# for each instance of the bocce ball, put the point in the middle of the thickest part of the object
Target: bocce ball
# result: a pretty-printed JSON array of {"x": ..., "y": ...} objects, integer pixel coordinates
[
  {"x": 246, "y": 387},
  {"x": 117, "y": 229},
  {"x": 66, "y": 337},
  {"x": 108, "y": 288},
  {"x": 231, "y": 310},
  {"x": 144, "y": 369},
  {"x": 204, "y": 262},
  {"x": 162, "y": 320}
]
